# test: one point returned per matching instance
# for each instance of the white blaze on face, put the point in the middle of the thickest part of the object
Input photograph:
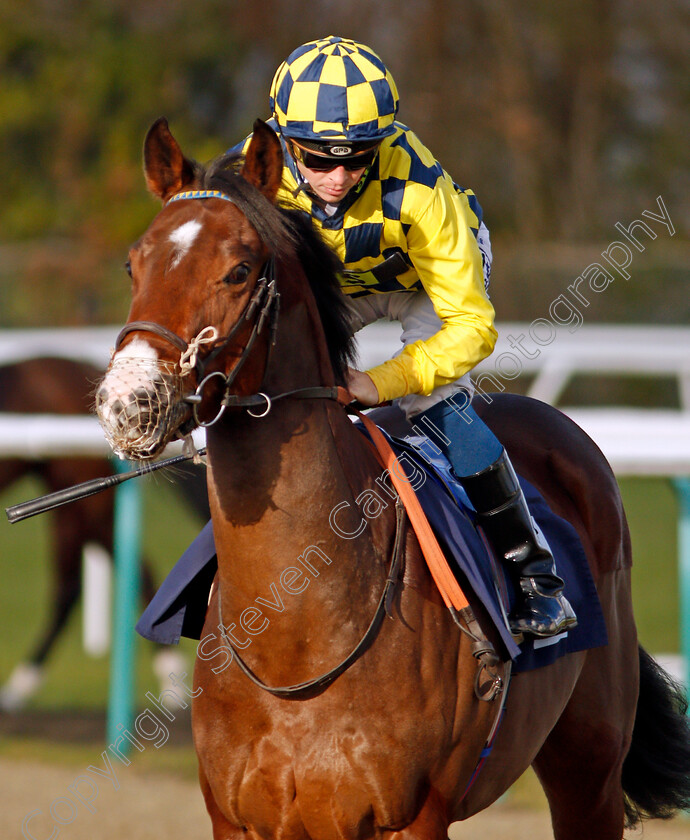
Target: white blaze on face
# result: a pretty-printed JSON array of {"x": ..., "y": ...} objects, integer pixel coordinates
[
  {"x": 183, "y": 238},
  {"x": 137, "y": 349}
]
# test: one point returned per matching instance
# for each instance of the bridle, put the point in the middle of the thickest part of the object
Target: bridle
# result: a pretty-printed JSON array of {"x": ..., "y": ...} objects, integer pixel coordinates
[
  {"x": 265, "y": 301},
  {"x": 264, "y": 307}
]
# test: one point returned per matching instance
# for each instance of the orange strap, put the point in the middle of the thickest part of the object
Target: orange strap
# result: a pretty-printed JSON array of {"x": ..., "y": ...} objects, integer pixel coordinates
[{"x": 436, "y": 561}]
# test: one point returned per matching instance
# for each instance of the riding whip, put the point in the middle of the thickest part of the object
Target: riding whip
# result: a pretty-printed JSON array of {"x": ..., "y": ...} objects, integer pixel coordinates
[{"x": 24, "y": 510}]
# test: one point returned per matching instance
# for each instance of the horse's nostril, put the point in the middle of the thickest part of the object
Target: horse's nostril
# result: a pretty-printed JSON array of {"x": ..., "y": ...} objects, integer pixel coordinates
[
  {"x": 142, "y": 393},
  {"x": 131, "y": 412}
]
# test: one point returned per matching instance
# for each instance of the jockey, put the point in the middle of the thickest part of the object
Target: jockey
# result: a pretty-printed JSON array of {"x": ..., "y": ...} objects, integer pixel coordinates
[{"x": 415, "y": 250}]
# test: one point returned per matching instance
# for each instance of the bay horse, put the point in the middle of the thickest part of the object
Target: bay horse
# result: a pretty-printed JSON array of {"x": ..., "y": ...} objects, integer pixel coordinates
[
  {"x": 292, "y": 744},
  {"x": 54, "y": 385}
]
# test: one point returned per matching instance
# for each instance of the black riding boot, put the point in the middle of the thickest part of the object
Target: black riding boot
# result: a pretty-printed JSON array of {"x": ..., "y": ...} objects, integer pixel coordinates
[{"x": 541, "y": 608}]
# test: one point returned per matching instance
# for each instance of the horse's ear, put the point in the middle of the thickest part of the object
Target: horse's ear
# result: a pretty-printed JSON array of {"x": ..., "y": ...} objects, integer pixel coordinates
[
  {"x": 167, "y": 170},
  {"x": 263, "y": 160}
]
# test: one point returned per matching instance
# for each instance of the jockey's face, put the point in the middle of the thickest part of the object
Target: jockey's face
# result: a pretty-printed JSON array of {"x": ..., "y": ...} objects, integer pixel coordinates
[{"x": 331, "y": 186}]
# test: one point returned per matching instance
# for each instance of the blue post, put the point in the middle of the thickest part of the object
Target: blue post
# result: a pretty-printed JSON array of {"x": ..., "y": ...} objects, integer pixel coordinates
[
  {"x": 682, "y": 486},
  {"x": 126, "y": 556}
]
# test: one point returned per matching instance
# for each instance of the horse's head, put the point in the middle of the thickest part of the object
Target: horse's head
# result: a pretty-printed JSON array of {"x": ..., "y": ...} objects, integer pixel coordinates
[{"x": 199, "y": 290}]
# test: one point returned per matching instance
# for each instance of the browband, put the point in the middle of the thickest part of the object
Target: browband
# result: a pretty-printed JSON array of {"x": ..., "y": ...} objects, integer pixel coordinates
[{"x": 199, "y": 194}]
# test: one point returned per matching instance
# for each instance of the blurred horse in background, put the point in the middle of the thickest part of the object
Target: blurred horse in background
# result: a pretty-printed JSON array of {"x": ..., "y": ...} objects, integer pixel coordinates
[{"x": 63, "y": 386}]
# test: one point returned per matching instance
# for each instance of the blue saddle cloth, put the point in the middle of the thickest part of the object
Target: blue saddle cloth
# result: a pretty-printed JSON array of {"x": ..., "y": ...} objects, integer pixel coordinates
[{"x": 179, "y": 607}]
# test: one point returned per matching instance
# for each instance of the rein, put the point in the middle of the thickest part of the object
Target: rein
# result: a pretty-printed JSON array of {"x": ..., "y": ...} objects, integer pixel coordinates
[
  {"x": 318, "y": 684},
  {"x": 406, "y": 503}
]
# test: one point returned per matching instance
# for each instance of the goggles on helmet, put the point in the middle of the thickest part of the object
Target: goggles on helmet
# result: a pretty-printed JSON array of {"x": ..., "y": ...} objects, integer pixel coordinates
[{"x": 328, "y": 156}]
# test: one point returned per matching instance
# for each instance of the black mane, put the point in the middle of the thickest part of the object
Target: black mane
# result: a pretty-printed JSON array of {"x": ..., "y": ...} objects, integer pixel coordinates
[{"x": 290, "y": 233}]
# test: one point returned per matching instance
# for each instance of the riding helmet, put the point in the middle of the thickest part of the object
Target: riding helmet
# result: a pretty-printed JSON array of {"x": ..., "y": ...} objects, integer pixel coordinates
[{"x": 334, "y": 90}]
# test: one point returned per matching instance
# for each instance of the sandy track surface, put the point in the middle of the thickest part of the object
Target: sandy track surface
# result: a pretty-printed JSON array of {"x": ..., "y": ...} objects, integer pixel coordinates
[{"x": 155, "y": 805}]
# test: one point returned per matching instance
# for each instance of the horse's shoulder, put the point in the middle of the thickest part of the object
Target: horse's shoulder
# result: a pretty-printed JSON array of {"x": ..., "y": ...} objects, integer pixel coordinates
[{"x": 567, "y": 467}]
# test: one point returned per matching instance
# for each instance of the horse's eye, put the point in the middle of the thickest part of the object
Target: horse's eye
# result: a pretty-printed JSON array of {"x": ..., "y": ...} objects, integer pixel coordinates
[
  {"x": 128, "y": 268},
  {"x": 238, "y": 274}
]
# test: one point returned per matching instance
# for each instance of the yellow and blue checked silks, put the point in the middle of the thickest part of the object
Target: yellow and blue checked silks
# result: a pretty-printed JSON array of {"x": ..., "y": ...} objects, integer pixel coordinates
[
  {"x": 334, "y": 89},
  {"x": 406, "y": 204}
]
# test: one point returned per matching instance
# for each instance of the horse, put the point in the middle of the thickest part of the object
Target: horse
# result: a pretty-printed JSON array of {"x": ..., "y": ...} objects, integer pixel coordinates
[
  {"x": 65, "y": 386},
  {"x": 329, "y": 728}
]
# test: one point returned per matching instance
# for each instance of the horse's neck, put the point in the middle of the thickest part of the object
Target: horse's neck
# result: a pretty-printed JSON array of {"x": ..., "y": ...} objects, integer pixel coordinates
[
  {"x": 274, "y": 483},
  {"x": 282, "y": 562},
  {"x": 290, "y": 468}
]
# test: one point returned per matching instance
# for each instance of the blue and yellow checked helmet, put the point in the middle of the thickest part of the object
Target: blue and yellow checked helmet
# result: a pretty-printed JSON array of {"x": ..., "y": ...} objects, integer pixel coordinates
[{"x": 334, "y": 89}]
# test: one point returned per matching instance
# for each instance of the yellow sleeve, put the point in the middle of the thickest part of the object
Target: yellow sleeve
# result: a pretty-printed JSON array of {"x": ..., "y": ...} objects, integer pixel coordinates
[{"x": 446, "y": 257}]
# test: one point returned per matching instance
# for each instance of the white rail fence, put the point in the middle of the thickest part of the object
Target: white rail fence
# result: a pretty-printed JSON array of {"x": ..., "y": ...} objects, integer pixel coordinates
[
  {"x": 556, "y": 357},
  {"x": 636, "y": 441},
  {"x": 650, "y": 442}
]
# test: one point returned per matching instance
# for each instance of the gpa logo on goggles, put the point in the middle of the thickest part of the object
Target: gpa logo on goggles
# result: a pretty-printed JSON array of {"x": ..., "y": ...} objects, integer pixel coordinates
[{"x": 340, "y": 151}]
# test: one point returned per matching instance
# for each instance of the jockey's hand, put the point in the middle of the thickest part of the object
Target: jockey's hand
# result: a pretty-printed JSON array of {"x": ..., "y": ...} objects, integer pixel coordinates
[{"x": 362, "y": 387}]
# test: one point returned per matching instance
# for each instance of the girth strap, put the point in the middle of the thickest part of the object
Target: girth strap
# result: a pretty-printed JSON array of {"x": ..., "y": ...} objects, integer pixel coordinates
[
  {"x": 441, "y": 572},
  {"x": 407, "y": 502},
  {"x": 451, "y": 591}
]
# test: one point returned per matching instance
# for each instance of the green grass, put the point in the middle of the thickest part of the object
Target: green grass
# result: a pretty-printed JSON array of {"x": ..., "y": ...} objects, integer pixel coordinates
[
  {"x": 76, "y": 681},
  {"x": 652, "y": 511}
]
